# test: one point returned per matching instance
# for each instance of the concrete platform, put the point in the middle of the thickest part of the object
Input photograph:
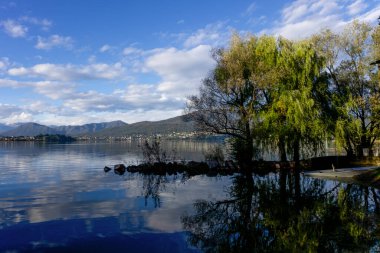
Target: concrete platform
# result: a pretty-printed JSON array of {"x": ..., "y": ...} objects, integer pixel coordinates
[{"x": 344, "y": 173}]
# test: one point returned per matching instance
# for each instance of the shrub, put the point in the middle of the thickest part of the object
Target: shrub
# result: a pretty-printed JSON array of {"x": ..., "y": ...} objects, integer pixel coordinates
[
  {"x": 152, "y": 152},
  {"x": 215, "y": 154}
]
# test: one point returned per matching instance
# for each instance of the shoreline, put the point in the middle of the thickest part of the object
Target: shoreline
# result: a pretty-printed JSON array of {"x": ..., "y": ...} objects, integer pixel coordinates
[
  {"x": 339, "y": 173},
  {"x": 361, "y": 175}
]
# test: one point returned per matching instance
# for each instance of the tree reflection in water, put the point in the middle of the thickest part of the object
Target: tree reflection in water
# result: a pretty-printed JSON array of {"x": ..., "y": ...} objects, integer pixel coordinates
[
  {"x": 287, "y": 213},
  {"x": 152, "y": 186}
]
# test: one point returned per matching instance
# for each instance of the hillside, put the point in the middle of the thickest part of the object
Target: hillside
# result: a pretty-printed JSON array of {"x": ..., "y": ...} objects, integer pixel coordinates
[
  {"x": 30, "y": 129},
  {"x": 89, "y": 128},
  {"x": 4, "y": 128},
  {"x": 105, "y": 129},
  {"x": 176, "y": 124}
]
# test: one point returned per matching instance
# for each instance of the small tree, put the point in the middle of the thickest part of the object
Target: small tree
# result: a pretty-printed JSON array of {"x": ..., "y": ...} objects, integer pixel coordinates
[
  {"x": 153, "y": 152},
  {"x": 215, "y": 154}
]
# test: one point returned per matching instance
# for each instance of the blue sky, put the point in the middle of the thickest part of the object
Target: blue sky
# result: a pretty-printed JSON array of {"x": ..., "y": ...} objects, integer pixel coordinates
[{"x": 75, "y": 62}]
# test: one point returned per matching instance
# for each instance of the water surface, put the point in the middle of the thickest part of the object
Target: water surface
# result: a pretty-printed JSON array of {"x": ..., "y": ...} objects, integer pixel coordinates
[{"x": 56, "y": 197}]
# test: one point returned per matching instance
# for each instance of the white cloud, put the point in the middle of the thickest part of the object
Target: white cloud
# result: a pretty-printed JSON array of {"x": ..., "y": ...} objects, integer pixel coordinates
[
  {"x": 154, "y": 115},
  {"x": 181, "y": 71},
  {"x": 14, "y": 28},
  {"x": 105, "y": 48},
  {"x": 140, "y": 94},
  {"x": 250, "y": 10},
  {"x": 50, "y": 89},
  {"x": 92, "y": 59},
  {"x": 131, "y": 104},
  {"x": 7, "y": 109},
  {"x": 213, "y": 34},
  {"x": 54, "y": 90},
  {"x": 44, "y": 23},
  {"x": 94, "y": 101},
  {"x": 10, "y": 114},
  {"x": 70, "y": 72},
  {"x": 18, "y": 117},
  {"x": 54, "y": 41},
  {"x": 132, "y": 51},
  {"x": 148, "y": 97},
  {"x": 134, "y": 97},
  {"x": 18, "y": 29},
  {"x": 7, "y": 5},
  {"x": 130, "y": 116},
  {"x": 18, "y": 71},
  {"x": 41, "y": 107},
  {"x": 371, "y": 15},
  {"x": 356, "y": 7},
  {"x": 11, "y": 83},
  {"x": 4, "y": 63},
  {"x": 302, "y": 18},
  {"x": 254, "y": 21}
]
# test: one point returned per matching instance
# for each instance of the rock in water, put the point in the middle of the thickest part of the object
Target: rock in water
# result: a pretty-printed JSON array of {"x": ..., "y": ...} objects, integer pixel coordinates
[
  {"x": 119, "y": 169},
  {"x": 106, "y": 169}
]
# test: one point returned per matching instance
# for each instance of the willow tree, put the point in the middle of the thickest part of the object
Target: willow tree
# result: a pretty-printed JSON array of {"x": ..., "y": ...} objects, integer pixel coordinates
[
  {"x": 292, "y": 117},
  {"x": 231, "y": 98},
  {"x": 354, "y": 85},
  {"x": 375, "y": 100},
  {"x": 261, "y": 91}
]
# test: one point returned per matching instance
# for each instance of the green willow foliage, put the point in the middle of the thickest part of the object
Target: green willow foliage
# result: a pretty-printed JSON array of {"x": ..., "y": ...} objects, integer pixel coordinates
[
  {"x": 292, "y": 115},
  {"x": 289, "y": 96},
  {"x": 353, "y": 85}
]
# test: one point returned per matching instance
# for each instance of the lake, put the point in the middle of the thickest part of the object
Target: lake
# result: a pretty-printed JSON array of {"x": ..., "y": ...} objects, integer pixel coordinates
[{"x": 57, "y": 198}]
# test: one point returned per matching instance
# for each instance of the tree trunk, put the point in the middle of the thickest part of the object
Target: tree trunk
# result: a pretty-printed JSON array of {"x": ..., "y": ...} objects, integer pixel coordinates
[
  {"x": 282, "y": 149},
  {"x": 296, "y": 151},
  {"x": 359, "y": 151},
  {"x": 297, "y": 189},
  {"x": 283, "y": 175},
  {"x": 363, "y": 138},
  {"x": 370, "y": 152},
  {"x": 245, "y": 209},
  {"x": 290, "y": 184},
  {"x": 348, "y": 148},
  {"x": 247, "y": 155}
]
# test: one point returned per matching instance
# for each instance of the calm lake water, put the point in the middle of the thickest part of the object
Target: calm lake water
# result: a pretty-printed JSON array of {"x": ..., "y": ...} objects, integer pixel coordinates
[{"x": 57, "y": 198}]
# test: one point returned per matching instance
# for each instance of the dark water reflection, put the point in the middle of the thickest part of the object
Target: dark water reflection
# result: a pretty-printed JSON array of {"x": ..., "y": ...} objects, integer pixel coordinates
[
  {"x": 287, "y": 213},
  {"x": 56, "y": 198}
]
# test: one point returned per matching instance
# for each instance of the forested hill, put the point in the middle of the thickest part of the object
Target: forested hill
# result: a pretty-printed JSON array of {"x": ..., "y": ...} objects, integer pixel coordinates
[
  {"x": 89, "y": 128},
  {"x": 4, "y": 127},
  {"x": 179, "y": 124},
  {"x": 30, "y": 129}
]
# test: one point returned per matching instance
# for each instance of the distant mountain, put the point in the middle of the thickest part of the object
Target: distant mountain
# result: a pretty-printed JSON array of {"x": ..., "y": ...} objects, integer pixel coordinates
[
  {"x": 106, "y": 129},
  {"x": 89, "y": 128},
  {"x": 177, "y": 124},
  {"x": 30, "y": 129},
  {"x": 4, "y": 128}
]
